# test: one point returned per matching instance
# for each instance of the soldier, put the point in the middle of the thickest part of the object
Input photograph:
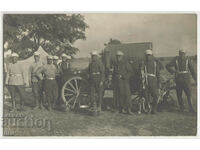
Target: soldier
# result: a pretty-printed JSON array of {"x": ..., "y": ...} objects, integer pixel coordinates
[
  {"x": 65, "y": 67},
  {"x": 36, "y": 82},
  {"x": 50, "y": 85},
  {"x": 182, "y": 66},
  {"x": 152, "y": 78},
  {"x": 16, "y": 81},
  {"x": 121, "y": 76},
  {"x": 58, "y": 76},
  {"x": 96, "y": 78}
]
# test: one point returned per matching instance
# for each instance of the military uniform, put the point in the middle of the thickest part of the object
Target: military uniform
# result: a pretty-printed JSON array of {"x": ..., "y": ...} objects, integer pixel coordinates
[
  {"x": 36, "y": 83},
  {"x": 50, "y": 84},
  {"x": 58, "y": 80},
  {"x": 152, "y": 81},
  {"x": 121, "y": 76},
  {"x": 182, "y": 78},
  {"x": 96, "y": 76},
  {"x": 64, "y": 69},
  {"x": 16, "y": 81}
]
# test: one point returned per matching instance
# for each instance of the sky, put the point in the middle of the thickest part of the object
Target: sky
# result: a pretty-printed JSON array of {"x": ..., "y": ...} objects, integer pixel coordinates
[{"x": 168, "y": 32}]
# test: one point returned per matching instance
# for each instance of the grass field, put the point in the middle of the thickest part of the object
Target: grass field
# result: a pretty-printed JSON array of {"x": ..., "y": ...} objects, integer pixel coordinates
[{"x": 61, "y": 123}]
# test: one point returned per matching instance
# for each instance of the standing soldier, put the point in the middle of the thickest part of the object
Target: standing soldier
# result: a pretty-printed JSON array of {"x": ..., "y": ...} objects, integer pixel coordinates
[
  {"x": 58, "y": 77},
  {"x": 36, "y": 82},
  {"x": 121, "y": 76},
  {"x": 183, "y": 66},
  {"x": 152, "y": 78},
  {"x": 50, "y": 85},
  {"x": 16, "y": 81},
  {"x": 65, "y": 66},
  {"x": 96, "y": 79}
]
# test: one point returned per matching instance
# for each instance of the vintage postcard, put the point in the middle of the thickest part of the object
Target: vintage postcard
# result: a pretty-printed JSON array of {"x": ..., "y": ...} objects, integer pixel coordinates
[{"x": 99, "y": 74}]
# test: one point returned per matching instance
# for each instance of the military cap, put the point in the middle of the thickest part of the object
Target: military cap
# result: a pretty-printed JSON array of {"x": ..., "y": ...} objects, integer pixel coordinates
[
  {"x": 182, "y": 50},
  {"x": 63, "y": 55},
  {"x": 36, "y": 54},
  {"x": 55, "y": 57},
  {"x": 94, "y": 53},
  {"x": 120, "y": 53},
  {"x": 49, "y": 57},
  {"x": 14, "y": 55},
  {"x": 149, "y": 52}
]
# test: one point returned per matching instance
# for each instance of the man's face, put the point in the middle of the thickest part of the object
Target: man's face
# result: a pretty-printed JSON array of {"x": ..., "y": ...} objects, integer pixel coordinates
[
  {"x": 49, "y": 61},
  {"x": 55, "y": 61},
  {"x": 64, "y": 59},
  {"x": 94, "y": 57},
  {"x": 37, "y": 58},
  {"x": 182, "y": 54},
  {"x": 119, "y": 57},
  {"x": 14, "y": 59}
]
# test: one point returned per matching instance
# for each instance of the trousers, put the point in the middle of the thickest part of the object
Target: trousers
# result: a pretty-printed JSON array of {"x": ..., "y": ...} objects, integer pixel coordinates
[
  {"x": 37, "y": 90},
  {"x": 123, "y": 94},
  {"x": 183, "y": 84},
  {"x": 51, "y": 91},
  {"x": 14, "y": 90},
  {"x": 96, "y": 95}
]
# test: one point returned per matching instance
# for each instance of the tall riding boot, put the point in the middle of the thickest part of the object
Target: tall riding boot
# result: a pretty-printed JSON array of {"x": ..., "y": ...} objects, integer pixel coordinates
[
  {"x": 129, "y": 112},
  {"x": 36, "y": 103},
  {"x": 154, "y": 108},
  {"x": 191, "y": 109},
  {"x": 22, "y": 106},
  {"x": 13, "y": 106}
]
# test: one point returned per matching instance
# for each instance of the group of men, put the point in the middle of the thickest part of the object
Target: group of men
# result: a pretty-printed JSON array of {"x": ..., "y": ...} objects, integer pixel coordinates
[
  {"x": 49, "y": 77},
  {"x": 180, "y": 66},
  {"x": 45, "y": 78}
]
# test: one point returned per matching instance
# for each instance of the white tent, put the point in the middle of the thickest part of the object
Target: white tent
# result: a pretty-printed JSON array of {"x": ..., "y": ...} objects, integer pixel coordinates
[{"x": 27, "y": 62}]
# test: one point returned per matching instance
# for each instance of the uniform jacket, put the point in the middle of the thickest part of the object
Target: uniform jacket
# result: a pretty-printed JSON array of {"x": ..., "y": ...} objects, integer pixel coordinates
[
  {"x": 58, "y": 70},
  {"x": 122, "y": 70},
  {"x": 65, "y": 66},
  {"x": 96, "y": 69},
  {"x": 182, "y": 66},
  {"x": 32, "y": 71},
  {"x": 15, "y": 74},
  {"x": 152, "y": 67},
  {"x": 48, "y": 71}
]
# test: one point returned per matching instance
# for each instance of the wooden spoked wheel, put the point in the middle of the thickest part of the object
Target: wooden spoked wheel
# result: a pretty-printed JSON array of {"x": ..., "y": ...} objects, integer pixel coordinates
[{"x": 74, "y": 92}]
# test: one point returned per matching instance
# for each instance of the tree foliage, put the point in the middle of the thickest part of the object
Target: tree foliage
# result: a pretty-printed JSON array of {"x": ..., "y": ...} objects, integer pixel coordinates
[
  {"x": 56, "y": 33},
  {"x": 114, "y": 41}
]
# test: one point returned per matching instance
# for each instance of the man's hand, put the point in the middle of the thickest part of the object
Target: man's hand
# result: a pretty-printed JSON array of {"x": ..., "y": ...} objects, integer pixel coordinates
[
  {"x": 25, "y": 85},
  {"x": 101, "y": 84}
]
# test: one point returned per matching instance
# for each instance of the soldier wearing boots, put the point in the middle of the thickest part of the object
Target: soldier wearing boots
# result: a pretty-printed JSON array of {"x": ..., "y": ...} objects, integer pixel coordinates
[
  {"x": 181, "y": 66},
  {"x": 15, "y": 81},
  {"x": 65, "y": 67},
  {"x": 152, "y": 77},
  {"x": 50, "y": 85},
  {"x": 58, "y": 78},
  {"x": 36, "y": 82},
  {"x": 121, "y": 76},
  {"x": 96, "y": 78}
]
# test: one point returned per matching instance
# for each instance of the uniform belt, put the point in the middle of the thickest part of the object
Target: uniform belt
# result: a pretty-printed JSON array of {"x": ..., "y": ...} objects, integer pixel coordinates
[
  {"x": 50, "y": 78},
  {"x": 95, "y": 73},
  {"x": 182, "y": 72},
  {"x": 152, "y": 75},
  {"x": 18, "y": 75}
]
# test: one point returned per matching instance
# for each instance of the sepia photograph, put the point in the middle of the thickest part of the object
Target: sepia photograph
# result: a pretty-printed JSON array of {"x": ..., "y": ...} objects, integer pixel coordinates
[{"x": 99, "y": 74}]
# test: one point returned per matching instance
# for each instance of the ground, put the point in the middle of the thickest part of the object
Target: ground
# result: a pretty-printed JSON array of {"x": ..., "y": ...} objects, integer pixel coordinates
[{"x": 68, "y": 123}]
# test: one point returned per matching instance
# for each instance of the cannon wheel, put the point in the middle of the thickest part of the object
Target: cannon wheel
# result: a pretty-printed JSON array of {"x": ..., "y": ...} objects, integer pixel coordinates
[{"x": 73, "y": 90}]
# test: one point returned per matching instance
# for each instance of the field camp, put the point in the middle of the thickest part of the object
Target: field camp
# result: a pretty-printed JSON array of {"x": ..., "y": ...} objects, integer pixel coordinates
[{"x": 52, "y": 88}]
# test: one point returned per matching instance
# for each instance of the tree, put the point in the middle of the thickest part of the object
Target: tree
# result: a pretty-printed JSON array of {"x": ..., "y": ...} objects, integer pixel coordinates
[
  {"x": 56, "y": 33},
  {"x": 114, "y": 41}
]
